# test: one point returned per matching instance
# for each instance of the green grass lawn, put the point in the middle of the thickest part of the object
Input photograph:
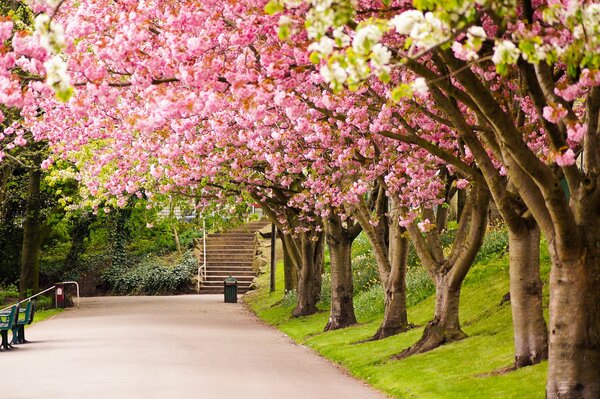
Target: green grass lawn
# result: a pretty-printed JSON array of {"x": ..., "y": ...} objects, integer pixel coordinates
[
  {"x": 458, "y": 370},
  {"x": 45, "y": 314}
]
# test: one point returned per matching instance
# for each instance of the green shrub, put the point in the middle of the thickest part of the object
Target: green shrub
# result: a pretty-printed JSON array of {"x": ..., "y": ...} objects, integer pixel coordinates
[
  {"x": 44, "y": 302},
  {"x": 325, "y": 299},
  {"x": 8, "y": 293},
  {"x": 369, "y": 305},
  {"x": 418, "y": 285},
  {"x": 290, "y": 299},
  {"x": 151, "y": 276},
  {"x": 495, "y": 244}
]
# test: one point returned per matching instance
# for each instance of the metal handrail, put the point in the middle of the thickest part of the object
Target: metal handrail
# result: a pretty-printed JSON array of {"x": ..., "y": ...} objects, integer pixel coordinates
[
  {"x": 43, "y": 292},
  {"x": 77, "y": 284}
]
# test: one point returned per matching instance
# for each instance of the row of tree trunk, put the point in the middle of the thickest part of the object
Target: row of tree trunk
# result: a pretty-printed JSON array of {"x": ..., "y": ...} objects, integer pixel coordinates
[{"x": 303, "y": 266}]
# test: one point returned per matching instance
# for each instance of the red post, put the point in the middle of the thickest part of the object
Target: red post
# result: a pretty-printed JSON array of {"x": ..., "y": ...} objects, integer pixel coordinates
[{"x": 60, "y": 295}]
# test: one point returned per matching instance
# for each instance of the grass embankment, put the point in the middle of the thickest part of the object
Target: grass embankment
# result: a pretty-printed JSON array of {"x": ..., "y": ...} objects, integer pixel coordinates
[{"x": 458, "y": 370}]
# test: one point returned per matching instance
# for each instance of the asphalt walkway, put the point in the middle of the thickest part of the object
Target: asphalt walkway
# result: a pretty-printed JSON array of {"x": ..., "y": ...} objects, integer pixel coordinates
[{"x": 167, "y": 347}]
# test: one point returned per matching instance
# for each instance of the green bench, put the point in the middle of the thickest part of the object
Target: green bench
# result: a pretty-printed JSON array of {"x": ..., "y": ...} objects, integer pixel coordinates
[
  {"x": 18, "y": 329},
  {"x": 8, "y": 320}
]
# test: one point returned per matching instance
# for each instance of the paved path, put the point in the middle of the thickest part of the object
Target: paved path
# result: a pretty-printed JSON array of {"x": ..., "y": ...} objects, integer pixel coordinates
[{"x": 167, "y": 347}]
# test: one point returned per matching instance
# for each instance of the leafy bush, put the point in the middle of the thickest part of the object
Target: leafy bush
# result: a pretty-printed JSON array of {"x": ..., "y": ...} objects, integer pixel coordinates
[
  {"x": 418, "y": 285},
  {"x": 7, "y": 293},
  {"x": 44, "y": 302},
  {"x": 290, "y": 299},
  {"x": 369, "y": 304},
  {"x": 325, "y": 298},
  {"x": 151, "y": 276},
  {"x": 495, "y": 243}
]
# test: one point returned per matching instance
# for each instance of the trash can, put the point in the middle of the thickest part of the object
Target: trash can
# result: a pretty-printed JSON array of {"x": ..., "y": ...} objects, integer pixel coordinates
[{"x": 230, "y": 289}]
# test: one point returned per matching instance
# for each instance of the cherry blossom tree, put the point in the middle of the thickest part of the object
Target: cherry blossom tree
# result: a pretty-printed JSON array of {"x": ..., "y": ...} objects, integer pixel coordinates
[{"x": 463, "y": 52}]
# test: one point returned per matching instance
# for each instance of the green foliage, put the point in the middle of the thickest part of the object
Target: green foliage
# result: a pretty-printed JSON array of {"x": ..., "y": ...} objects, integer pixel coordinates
[
  {"x": 290, "y": 299},
  {"x": 369, "y": 304},
  {"x": 418, "y": 285},
  {"x": 151, "y": 276},
  {"x": 8, "y": 293},
  {"x": 325, "y": 298},
  {"x": 44, "y": 302},
  {"x": 495, "y": 243}
]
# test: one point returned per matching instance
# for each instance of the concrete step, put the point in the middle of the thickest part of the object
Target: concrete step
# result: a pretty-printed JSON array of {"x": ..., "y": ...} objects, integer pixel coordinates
[
  {"x": 227, "y": 272},
  {"x": 220, "y": 291},
  {"x": 247, "y": 265},
  {"x": 227, "y": 260},
  {"x": 228, "y": 250}
]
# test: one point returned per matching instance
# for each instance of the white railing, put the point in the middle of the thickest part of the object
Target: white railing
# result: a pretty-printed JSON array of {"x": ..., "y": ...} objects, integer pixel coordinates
[
  {"x": 77, "y": 285},
  {"x": 202, "y": 267},
  {"x": 43, "y": 292}
]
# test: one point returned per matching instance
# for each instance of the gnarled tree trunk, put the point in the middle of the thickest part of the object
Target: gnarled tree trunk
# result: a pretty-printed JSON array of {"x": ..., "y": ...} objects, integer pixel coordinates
[
  {"x": 449, "y": 272},
  {"x": 339, "y": 240}
]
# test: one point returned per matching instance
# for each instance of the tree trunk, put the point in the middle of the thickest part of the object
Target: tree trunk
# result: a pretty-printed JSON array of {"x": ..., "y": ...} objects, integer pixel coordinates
[
  {"x": 395, "y": 317},
  {"x": 176, "y": 236},
  {"x": 30, "y": 272},
  {"x": 445, "y": 326},
  {"x": 461, "y": 198},
  {"x": 529, "y": 326},
  {"x": 290, "y": 274},
  {"x": 574, "y": 339},
  {"x": 449, "y": 271},
  {"x": 309, "y": 274},
  {"x": 391, "y": 267},
  {"x": 342, "y": 290}
]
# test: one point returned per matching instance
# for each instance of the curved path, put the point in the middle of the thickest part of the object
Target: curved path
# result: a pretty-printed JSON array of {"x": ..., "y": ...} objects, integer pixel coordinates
[{"x": 167, "y": 347}]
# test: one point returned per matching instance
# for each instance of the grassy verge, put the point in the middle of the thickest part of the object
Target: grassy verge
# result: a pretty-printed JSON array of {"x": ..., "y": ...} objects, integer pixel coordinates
[
  {"x": 46, "y": 314},
  {"x": 458, "y": 370}
]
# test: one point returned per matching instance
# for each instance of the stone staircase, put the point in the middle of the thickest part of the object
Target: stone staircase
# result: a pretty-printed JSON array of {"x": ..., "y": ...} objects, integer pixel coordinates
[{"x": 229, "y": 253}]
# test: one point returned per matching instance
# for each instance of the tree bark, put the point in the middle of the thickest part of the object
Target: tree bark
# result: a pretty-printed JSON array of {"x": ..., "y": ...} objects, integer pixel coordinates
[
  {"x": 395, "y": 317},
  {"x": 449, "y": 272},
  {"x": 574, "y": 338},
  {"x": 290, "y": 274},
  {"x": 391, "y": 265},
  {"x": 342, "y": 289},
  {"x": 445, "y": 325},
  {"x": 32, "y": 240},
  {"x": 339, "y": 240},
  {"x": 529, "y": 326},
  {"x": 309, "y": 274}
]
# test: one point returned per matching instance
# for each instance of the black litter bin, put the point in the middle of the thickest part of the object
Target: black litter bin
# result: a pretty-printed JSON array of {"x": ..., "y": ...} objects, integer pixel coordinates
[{"x": 230, "y": 289}]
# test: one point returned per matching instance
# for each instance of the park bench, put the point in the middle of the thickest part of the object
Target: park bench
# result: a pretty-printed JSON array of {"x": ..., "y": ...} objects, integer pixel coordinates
[
  {"x": 8, "y": 319},
  {"x": 18, "y": 329}
]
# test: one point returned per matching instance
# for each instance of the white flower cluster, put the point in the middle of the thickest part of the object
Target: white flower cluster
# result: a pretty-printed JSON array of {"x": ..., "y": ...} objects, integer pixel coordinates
[
  {"x": 426, "y": 30},
  {"x": 366, "y": 37},
  {"x": 334, "y": 73},
  {"x": 52, "y": 38},
  {"x": 380, "y": 57},
  {"x": 52, "y": 35},
  {"x": 324, "y": 46},
  {"x": 505, "y": 52},
  {"x": 419, "y": 86},
  {"x": 56, "y": 74}
]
